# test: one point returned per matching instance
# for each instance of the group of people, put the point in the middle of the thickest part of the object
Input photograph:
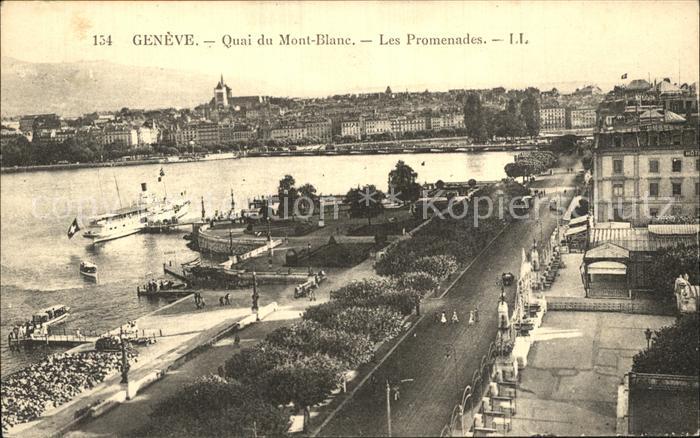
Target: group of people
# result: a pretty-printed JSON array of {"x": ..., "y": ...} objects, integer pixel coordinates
[
  {"x": 28, "y": 330},
  {"x": 199, "y": 301},
  {"x": 52, "y": 382},
  {"x": 154, "y": 286},
  {"x": 225, "y": 300},
  {"x": 473, "y": 317}
]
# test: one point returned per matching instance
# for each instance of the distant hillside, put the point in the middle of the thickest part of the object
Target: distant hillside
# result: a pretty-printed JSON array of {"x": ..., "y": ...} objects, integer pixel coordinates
[{"x": 75, "y": 88}]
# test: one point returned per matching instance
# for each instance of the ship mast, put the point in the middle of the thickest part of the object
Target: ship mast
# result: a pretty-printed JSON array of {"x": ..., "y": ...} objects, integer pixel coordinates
[{"x": 118, "y": 194}]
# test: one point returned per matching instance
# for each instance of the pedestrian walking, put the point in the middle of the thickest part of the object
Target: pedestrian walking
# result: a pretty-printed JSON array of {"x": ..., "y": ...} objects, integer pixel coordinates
[
  {"x": 476, "y": 314},
  {"x": 443, "y": 318},
  {"x": 227, "y": 299},
  {"x": 471, "y": 318},
  {"x": 455, "y": 319},
  {"x": 236, "y": 341},
  {"x": 221, "y": 301}
]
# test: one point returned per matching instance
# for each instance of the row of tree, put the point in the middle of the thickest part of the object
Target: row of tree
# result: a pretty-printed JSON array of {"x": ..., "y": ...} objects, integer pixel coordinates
[
  {"x": 530, "y": 163},
  {"x": 520, "y": 117}
]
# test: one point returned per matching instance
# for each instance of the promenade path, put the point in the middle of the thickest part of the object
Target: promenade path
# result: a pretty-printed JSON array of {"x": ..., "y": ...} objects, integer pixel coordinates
[
  {"x": 130, "y": 416},
  {"x": 441, "y": 359}
]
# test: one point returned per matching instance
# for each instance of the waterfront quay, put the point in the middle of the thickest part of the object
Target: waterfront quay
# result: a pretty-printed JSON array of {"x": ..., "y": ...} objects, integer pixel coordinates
[{"x": 179, "y": 331}]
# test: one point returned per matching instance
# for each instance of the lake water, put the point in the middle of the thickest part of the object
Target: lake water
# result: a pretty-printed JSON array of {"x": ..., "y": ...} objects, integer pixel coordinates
[{"x": 39, "y": 264}]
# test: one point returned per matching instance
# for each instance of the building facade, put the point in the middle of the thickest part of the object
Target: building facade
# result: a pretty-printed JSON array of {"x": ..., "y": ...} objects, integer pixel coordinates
[
  {"x": 552, "y": 118},
  {"x": 579, "y": 118},
  {"x": 646, "y": 170}
]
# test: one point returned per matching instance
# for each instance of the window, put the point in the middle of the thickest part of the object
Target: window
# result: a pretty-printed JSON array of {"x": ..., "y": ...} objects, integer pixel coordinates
[
  {"x": 618, "y": 189},
  {"x": 676, "y": 139},
  {"x": 676, "y": 189},
  {"x": 654, "y": 189},
  {"x": 653, "y": 166},
  {"x": 697, "y": 164},
  {"x": 617, "y": 166},
  {"x": 697, "y": 189},
  {"x": 676, "y": 165},
  {"x": 618, "y": 142}
]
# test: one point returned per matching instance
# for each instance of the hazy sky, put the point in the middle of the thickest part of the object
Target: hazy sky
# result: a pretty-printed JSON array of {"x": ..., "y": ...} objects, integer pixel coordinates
[{"x": 592, "y": 42}]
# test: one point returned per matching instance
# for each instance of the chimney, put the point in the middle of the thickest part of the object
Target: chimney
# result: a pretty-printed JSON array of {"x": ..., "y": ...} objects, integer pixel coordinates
[{"x": 143, "y": 187}]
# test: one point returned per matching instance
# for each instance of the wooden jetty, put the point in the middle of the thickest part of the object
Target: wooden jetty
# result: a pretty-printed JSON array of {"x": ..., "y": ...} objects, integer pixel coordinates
[
  {"x": 52, "y": 340},
  {"x": 167, "y": 293}
]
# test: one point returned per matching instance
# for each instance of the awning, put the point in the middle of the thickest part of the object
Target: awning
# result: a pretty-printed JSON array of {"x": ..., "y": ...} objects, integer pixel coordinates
[
  {"x": 608, "y": 268},
  {"x": 607, "y": 251},
  {"x": 576, "y": 230},
  {"x": 578, "y": 220}
]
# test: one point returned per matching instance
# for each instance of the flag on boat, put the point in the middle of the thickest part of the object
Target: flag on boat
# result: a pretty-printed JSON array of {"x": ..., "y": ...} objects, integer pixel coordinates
[
  {"x": 74, "y": 228},
  {"x": 624, "y": 76},
  {"x": 161, "y": 174}
]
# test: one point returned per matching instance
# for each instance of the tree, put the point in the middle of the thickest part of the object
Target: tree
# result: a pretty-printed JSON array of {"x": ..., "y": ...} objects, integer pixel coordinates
[
  {"x": 287, "y": 195},
  {"x": 474, "y": 120},
  {"x": 673, "y": 351},
  {"x": 671, "y": 262},
  {"x": 402, "y": 179},
  {"x": 530, "y": 111},
  {"x": 582, "y": 207},
  {"x": 214, "y": 406},
  {"x": 365, "y": 202},
  {"x": 308, "y": 192},
  {"x": 305, "y": 382},
  {"x": 515, "y": 170}
]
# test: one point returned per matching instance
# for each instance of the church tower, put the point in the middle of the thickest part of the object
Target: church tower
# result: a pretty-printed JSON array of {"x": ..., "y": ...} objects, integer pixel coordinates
[{"x": 222, "y": 93}]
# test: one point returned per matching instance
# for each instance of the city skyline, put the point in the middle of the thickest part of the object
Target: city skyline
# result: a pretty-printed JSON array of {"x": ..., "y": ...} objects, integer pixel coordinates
[{"x": 646, "y": 46}]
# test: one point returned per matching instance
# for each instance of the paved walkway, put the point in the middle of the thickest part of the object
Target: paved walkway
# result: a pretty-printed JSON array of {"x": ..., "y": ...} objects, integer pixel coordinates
[
  {"x": 129, "y": 417},
  {"x": 441, "y": 359},
  {"x": 182, "y": 333},
  {"x": 569, "y": 387}
]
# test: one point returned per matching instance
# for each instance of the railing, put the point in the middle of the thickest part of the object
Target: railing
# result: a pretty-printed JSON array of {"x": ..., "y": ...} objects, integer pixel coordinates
[
  {"x": 471, "y": 395},
  {"x": 592, "y": 305},
  {"x": 666, "y": 382}
]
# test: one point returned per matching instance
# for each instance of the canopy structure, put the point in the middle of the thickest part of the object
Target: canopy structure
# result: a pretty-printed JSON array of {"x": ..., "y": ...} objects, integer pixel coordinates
[
  {"x": 607, "y": 268},
  {"x": 607, "y": 251},
  {"x": 581, "y": 220},
  {"x": 576, "y": 230}
]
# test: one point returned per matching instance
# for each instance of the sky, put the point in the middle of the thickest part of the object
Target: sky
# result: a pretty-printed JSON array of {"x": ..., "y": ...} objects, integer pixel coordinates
[{"x": 587, "y": 42}]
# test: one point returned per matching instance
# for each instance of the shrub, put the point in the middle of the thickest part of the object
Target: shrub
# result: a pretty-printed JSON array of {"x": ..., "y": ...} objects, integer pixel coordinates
[
  {"x": 323, "y": 313},
  {"x": 421, "y": 282},
  {"x": 250, "y": 363},
  {"x": 671, "y": 262},
  {"x": 440, "y": 265},
  {"x": 213, "y": 406},
  {"x": 368, "y": 288},
  {"x": 378, "y": 323},
  {"x": 402, "y": 301},
  {"x": 310, "y": 337},
  {"x": 305, "y": 382},
  {"x": 674, "y": 350}
]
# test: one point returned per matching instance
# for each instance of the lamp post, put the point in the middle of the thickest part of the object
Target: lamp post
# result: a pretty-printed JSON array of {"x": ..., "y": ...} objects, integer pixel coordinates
[
  {"x": 388, "y": 404},
  {"x": 647, "y": 334},
  {"x": 125, "y": 361},
  {"x": 450, "y": 349}
]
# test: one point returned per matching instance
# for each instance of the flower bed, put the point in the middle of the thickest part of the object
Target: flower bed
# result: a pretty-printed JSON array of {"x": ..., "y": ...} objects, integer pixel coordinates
[{"x": 27, "y": 394}]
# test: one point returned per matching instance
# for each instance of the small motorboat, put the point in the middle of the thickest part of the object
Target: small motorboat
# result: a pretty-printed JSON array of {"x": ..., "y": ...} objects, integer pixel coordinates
[
  {"x": 51, "y": 315},
  {"x": 88, "y": 269}
]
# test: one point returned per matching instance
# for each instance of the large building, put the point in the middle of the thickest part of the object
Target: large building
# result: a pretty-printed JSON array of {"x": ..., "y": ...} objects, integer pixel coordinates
[
  {"x": 580, "y": 118},
  {"x": 223, "y": 98},
  {"x": 646, "y": 164},
  {"x": 552, "y": 118}
]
